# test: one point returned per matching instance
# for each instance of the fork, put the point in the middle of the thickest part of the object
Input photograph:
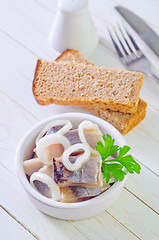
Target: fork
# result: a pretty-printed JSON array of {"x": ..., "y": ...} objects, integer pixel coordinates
[{"x": 129, "y": 53}]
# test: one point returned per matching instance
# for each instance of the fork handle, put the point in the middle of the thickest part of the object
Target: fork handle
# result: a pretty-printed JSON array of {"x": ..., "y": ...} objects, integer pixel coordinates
[{"x": 152, "y": 75}]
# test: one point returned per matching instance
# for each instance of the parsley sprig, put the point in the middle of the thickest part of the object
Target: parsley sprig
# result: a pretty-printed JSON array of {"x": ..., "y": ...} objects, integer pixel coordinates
[{"x": 118, "y": 166}]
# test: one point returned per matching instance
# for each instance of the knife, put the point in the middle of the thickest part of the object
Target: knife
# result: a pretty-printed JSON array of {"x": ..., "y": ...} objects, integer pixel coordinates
[{"x": 141, "y": 28}]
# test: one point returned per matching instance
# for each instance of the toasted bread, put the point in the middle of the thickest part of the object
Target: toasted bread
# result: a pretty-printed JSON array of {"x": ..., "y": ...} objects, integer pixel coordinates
[
  {"x": 124, "y": 122},
  {"x": 78, "y": 84}
]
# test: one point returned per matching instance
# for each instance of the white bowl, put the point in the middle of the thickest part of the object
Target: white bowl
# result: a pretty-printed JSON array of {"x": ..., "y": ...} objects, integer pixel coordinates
[{"x": 61, "y": 210}]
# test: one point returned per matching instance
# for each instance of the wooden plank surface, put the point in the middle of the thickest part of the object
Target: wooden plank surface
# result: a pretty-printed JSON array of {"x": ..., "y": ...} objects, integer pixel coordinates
[{"x": 12, "y": 229}]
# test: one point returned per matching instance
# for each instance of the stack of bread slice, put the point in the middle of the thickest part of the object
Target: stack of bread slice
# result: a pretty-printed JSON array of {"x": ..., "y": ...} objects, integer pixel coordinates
[{"x": 109, "y": 93}]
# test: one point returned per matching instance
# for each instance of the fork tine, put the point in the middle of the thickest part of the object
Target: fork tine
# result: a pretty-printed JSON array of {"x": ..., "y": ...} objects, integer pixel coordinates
[
  {"x": 124, "y": 37},
  {"x": 115, "y": 45},
  {"x": 120, "y": 41},
  {"x": 138, "y": 51},
  {"x": 132, "y": 40}
]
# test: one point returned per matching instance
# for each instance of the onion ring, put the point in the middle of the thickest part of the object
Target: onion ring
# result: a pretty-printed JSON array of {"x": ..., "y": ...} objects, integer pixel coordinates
[
  {"x": 67, "y": 125},
  {"x": 79, "y": 161},
  {"x": 88, "y": 125},
  {"x": 55, "y": 191},
  {"x": 48, "y": 140}
]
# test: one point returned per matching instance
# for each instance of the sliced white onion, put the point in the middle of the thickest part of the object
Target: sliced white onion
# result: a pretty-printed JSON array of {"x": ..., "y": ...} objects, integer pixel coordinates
[
  {"x": 88, "y": 125},
  {"x": 67, "y": 125},
  {"x": 79, "y": 161},
  {"x": 55, "y": 191},
  {"x": 48, "y": 170},
  {"x": 48, "y": 140}
]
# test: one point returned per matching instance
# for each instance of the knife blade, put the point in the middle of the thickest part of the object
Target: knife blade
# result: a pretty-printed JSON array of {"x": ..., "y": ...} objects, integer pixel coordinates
[{"x": 141, "y": 28}]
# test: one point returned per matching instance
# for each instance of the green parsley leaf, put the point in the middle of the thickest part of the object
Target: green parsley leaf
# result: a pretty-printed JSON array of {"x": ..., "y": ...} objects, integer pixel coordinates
[
  {"x": 116, "y": 166},
  {"x": 109, "y": 149}
]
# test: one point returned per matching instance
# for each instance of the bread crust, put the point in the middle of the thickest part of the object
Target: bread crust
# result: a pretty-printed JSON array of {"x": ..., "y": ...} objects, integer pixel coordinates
[
  {"x": 124, "y": 122},
  {"x": 71, "y": 55},
  {"x": 66, "y": 53},
  {"x": 36, "y": 73}
]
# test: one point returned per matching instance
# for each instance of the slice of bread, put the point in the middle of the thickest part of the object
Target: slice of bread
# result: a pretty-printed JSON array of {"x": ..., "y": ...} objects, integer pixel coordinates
[
  {"x": 124, "y": 122},
  {"x": 71, "y": 83},
  {"x": 71, "y": 55}
]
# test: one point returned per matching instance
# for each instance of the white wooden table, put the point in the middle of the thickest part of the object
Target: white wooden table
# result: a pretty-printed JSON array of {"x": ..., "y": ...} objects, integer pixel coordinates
[{"x": 24, "y": 29}]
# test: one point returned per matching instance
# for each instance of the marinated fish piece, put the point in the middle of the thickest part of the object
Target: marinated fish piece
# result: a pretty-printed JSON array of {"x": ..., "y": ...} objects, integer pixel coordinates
[
  {"x": 78, "y": 194},
  {"x": 32, "y": 165},
  {"x": 54, "y": 150},
  {"x": 48, "y": 170},
  {"x": 92, "y": 137},
  {"x": 88, "y": 176},
  {"x": 43, "y": 188},
  {"x": 51, "y": 146},
  {"x": 65, "y": 125},
  {"x": 90, "y": 134},
  {"x": 53, "y": 130},
  {"x": 34, "y": 155},
  {"x": 73, "y": 136},
  {"x": 80, "y": 160},
  {"x": 45, "y": 185}
]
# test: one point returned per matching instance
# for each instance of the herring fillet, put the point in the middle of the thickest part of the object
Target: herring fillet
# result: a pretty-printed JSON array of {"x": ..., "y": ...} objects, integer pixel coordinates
[
  {"x": 88, "y": 176},
  {"x": 78, "y": 194}
]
